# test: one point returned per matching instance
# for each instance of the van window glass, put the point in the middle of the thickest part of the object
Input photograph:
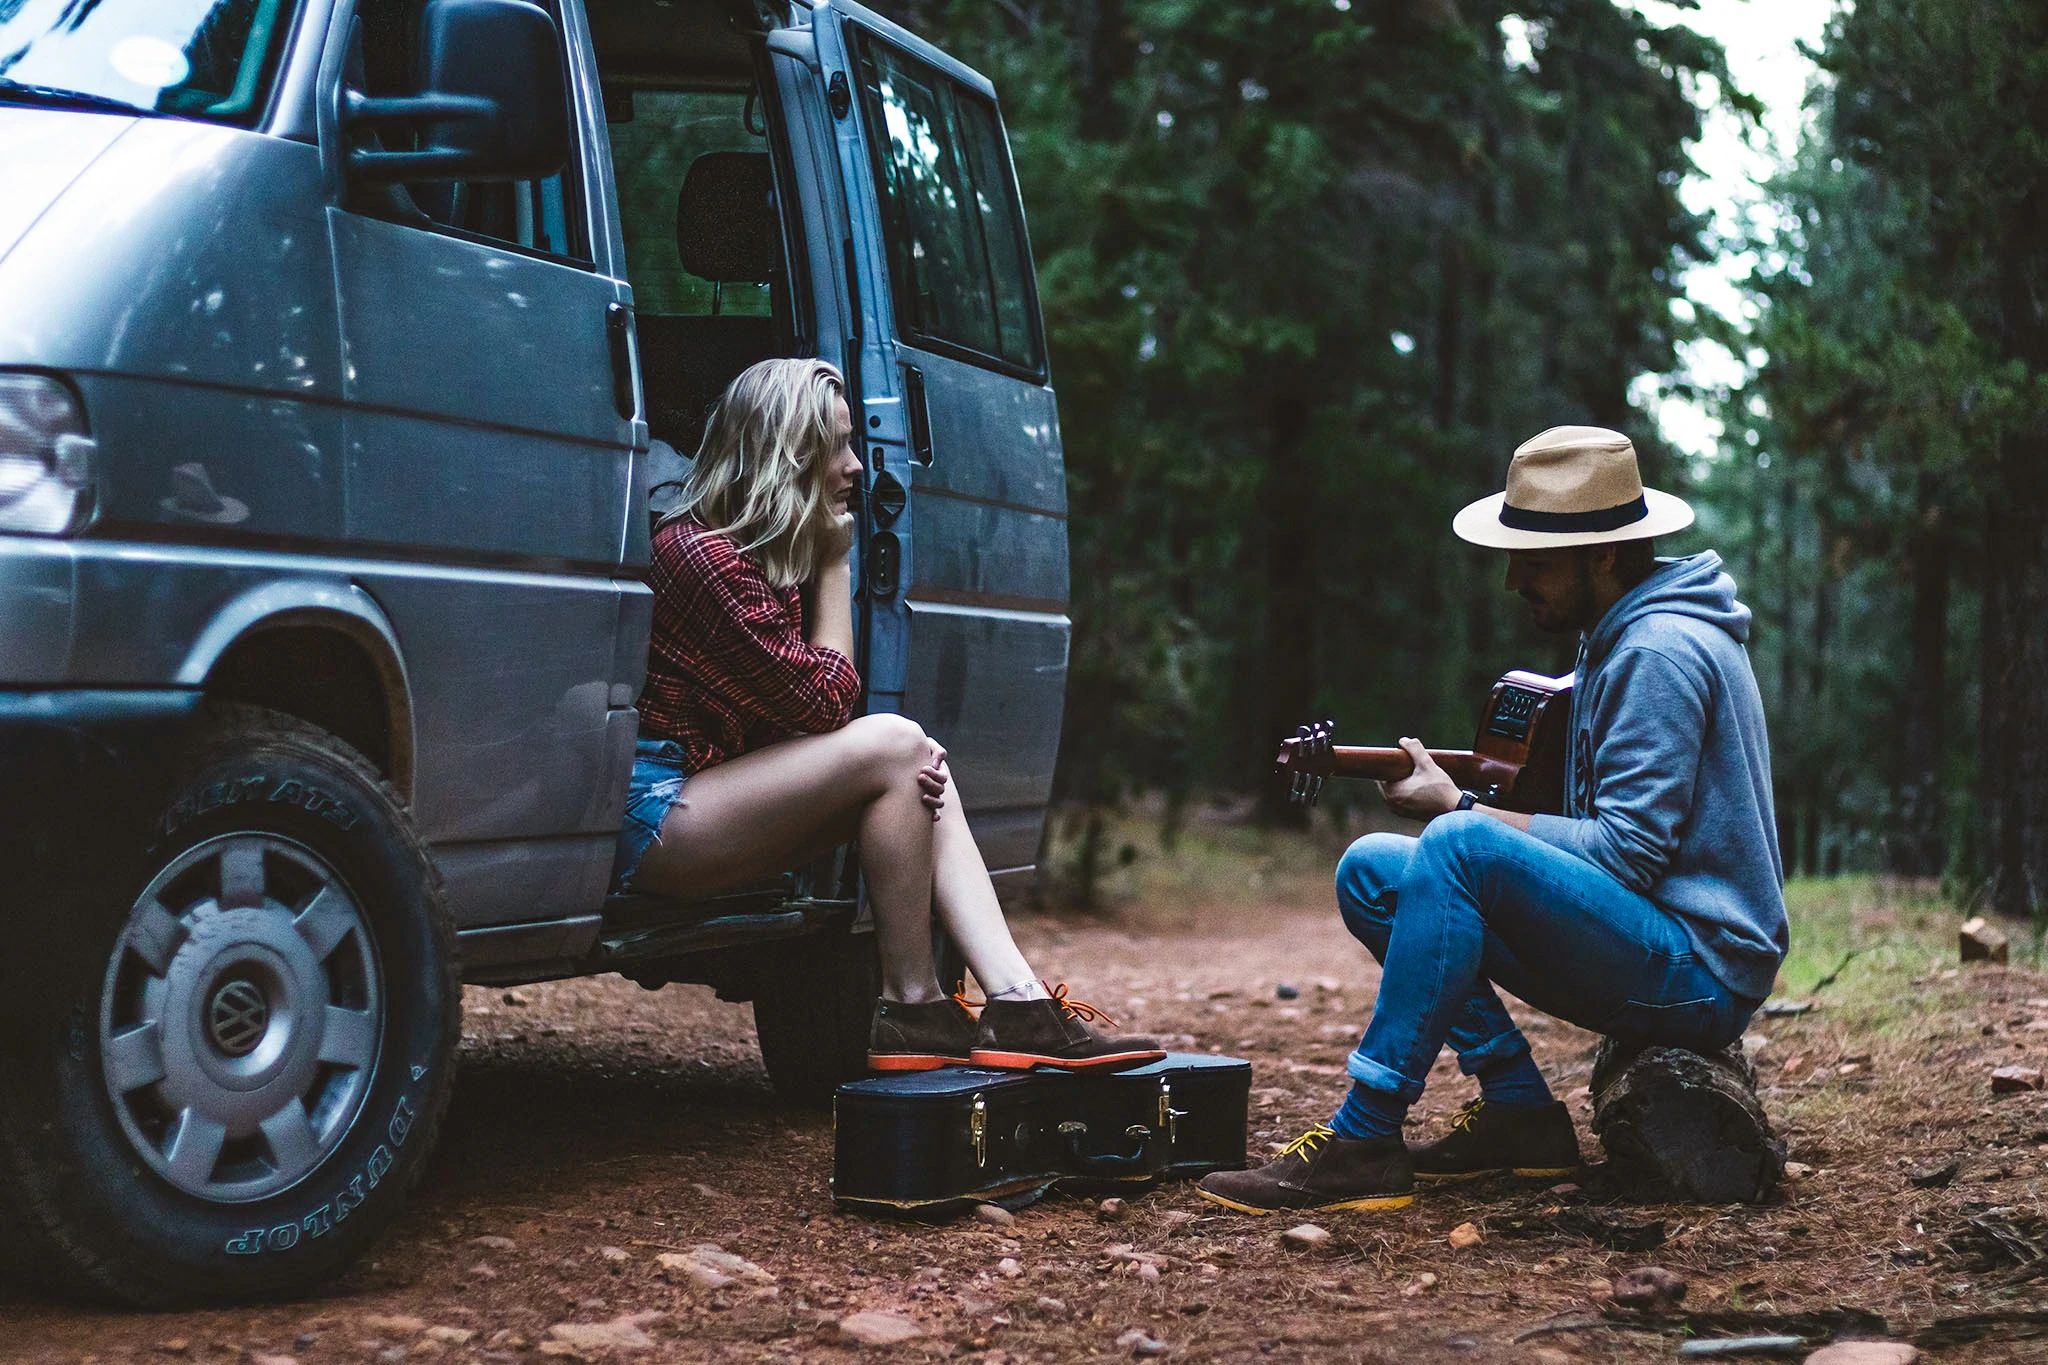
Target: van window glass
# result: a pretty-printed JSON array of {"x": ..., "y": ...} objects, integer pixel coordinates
[
  {"x": 958, "y": 260},
  {"x": 208, "y": 59},
  {"x": 653, "y": 153},
  {"x": 542, "y": 216}
]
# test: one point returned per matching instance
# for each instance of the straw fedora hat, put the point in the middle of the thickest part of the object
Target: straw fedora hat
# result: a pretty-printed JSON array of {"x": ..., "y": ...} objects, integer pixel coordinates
[{"x": 1572, "y": 486}]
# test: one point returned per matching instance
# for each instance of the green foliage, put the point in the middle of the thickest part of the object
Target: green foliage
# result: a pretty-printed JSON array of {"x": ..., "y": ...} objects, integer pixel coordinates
[
  {"x": 1900, "y": 540},
  {"x": 1310, "y": 274}
]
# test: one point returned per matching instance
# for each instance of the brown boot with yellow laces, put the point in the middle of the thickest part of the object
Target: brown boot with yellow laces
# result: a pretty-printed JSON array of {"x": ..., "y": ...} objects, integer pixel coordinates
[
  {"x": 1319, "y": 1171},
  {"x": 1017, "y": 1035},
  {"x": 1486, "y": 1139}
]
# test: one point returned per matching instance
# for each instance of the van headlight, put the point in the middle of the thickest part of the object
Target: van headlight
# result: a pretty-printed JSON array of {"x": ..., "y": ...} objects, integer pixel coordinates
[{"x": 46, "y": 457}]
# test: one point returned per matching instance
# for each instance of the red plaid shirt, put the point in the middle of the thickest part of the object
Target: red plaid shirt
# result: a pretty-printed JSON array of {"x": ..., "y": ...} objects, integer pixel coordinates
[{"x": 728, "y": 669}]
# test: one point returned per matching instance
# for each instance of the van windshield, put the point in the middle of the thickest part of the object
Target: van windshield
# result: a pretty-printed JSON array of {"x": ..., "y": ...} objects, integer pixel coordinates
[{"x": 209, "y": 59}]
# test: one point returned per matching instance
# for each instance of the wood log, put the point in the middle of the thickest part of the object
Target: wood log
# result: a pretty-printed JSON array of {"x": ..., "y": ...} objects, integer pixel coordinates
[{"x": 1686, "y": 1123}]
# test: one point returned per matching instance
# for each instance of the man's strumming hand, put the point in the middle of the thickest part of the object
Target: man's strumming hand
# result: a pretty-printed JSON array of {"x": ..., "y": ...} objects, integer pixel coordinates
[{"x": 1425, "y": 793}]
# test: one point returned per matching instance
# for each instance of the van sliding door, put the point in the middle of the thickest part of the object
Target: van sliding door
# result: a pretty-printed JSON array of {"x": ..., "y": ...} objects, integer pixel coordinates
[{"x": 982, "y": 582}]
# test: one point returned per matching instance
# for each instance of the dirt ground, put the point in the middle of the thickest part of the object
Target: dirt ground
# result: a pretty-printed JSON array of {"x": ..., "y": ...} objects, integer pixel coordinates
[{"x": 596, "y": 1126}]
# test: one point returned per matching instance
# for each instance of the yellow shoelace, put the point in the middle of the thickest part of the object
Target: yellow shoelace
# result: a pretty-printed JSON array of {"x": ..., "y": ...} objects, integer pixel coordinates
[
  {"x": 1468, "y": 1115},
  {"x": 1308, "y": 1141}
]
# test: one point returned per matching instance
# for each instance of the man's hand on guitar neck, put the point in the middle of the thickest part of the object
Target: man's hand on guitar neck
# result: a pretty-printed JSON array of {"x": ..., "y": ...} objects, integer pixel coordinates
[{"x": 1429, "y": 792}]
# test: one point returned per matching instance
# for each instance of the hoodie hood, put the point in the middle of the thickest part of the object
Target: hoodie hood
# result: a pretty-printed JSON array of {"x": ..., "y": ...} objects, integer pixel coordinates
[
  {"x": 1696, "y": 586},
  {"x": 43, "y": 151}
]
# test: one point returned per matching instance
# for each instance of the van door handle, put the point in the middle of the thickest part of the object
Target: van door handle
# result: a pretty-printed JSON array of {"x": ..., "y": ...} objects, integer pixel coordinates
[
  {"x": 920, "y": 416},
  {"x": 618, "y": 326}
]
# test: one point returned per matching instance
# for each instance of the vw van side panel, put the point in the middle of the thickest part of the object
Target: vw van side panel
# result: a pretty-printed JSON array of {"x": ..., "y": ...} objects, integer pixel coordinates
[{"x": 186, "y": 285}]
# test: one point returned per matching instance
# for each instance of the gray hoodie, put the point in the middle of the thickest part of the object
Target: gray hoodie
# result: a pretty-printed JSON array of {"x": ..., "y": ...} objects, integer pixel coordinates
[{"x": 1668, "y": 776}]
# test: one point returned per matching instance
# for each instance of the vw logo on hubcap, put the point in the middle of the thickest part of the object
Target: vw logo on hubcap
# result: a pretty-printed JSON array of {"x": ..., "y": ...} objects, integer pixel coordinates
[{"x": 238, "y": 1017}]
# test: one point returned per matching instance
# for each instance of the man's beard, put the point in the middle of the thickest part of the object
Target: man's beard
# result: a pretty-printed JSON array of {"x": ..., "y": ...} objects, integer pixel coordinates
[{"x": 1570, "y": 615}]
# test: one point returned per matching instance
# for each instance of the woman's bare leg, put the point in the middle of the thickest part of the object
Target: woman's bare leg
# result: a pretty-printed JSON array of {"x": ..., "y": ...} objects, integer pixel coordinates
[
  {"x": 754, "y": 815},
  {"x": 967, "y": 903}
]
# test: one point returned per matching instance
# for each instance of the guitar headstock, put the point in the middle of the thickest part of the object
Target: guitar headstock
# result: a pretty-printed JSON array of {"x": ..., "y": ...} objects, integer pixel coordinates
[{"x": 1306, "y": 759}]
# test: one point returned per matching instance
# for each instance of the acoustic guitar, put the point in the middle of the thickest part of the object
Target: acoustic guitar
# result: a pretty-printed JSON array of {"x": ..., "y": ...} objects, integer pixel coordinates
[{"x": 1516, "y": 763}]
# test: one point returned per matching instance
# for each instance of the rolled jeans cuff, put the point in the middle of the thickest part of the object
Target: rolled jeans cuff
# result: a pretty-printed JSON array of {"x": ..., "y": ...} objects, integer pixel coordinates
[
  {"x": 1373, "y": 1076},
  {"x": 1502, "y": 1047}
]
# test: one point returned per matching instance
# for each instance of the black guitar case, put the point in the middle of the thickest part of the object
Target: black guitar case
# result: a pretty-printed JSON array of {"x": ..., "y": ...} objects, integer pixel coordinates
[{"x": 932, "y": 1142}]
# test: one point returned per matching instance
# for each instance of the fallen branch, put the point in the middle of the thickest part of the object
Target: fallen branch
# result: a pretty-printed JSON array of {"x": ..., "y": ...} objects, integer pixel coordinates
[{"x": 1960, "y": 1331}]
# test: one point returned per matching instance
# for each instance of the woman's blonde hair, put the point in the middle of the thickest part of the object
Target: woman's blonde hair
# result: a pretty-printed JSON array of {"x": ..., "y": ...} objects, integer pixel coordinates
[{"x": 759, "y": 475}]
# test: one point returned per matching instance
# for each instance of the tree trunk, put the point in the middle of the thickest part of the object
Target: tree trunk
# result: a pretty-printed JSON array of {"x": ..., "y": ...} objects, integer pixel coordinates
[
  {"x": 1921, "y": 849},
  {"x": 1287, "y": 505},
  {"x": 1788, "y": 697},
  {"x": 2015, "y": 736},
  {"x": 1107, "y": 51}
]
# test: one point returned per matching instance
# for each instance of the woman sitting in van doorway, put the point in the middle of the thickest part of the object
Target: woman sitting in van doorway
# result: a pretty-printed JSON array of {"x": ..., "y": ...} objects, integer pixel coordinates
[{"x": 749, "y": 701}]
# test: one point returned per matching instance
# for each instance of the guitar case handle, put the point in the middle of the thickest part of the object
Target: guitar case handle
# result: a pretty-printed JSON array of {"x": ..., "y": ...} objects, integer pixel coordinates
[{"x": 1108, "y": 1163}]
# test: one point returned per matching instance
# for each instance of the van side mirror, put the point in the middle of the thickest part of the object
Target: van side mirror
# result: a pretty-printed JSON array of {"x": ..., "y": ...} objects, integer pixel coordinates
[{"x": 491, "y": 103}]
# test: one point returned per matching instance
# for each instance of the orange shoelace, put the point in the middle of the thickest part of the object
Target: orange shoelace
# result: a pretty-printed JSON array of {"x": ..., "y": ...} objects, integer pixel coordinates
[{"x": 1080, "y": 1009}]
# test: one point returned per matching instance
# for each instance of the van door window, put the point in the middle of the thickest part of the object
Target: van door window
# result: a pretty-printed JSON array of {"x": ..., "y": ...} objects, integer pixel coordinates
[
  {"x": 958, "y": 262},
  {"x": 704, "y": 245},
  {"x": 197, "y": 60},
  {"x": 541, "y": 216}
]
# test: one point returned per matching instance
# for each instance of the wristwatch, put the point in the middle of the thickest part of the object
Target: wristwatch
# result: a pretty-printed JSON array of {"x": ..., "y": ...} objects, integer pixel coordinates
[{"x": 1467, "y": 800}]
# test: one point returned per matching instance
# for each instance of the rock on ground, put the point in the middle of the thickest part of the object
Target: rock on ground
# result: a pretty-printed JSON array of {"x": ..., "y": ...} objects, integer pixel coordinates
[
  {"x": 1306, "y": 1237},
  {"x": 393, "y": 1324},
  {"x": 1865, "y": 1353},
  {"x": 2008, "y": 1080},
  {"x": 710, "y": 1266},
  {"x": 625, "y": 1333},
  {"x": 1650, "y": 1287},
  {"x": 878, "y": 1329}
]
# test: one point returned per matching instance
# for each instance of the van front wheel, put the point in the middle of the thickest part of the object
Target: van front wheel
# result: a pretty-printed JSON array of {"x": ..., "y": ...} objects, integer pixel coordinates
[{"x": 242, "y": 1069}]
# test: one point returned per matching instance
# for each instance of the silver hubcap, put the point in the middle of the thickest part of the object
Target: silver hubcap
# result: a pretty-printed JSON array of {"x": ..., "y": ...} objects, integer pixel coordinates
[{"x": 240, "y": 1018}]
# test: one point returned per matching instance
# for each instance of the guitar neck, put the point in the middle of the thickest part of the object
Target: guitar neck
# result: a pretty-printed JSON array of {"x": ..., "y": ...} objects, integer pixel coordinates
[{"x": 1475, "y": 772}]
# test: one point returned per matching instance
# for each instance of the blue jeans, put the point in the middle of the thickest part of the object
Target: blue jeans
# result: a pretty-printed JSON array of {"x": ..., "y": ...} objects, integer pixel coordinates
[
  {"x": 656, "y": 784},
  {"x": 1475, "y": 902}
]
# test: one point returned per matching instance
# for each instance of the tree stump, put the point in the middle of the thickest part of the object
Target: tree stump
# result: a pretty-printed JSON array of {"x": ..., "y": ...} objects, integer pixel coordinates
[{"x": 1687, "y": 1122}]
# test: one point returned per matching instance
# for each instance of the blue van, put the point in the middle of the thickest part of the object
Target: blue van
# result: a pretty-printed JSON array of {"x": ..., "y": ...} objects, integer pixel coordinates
[{"x": 341, "y": 344}]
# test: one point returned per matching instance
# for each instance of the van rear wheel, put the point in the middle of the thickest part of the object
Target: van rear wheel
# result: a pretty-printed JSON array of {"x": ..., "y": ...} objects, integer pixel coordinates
[
  {"x": 812, "y": 1010},
  {"x": 239, "y": 1071}
]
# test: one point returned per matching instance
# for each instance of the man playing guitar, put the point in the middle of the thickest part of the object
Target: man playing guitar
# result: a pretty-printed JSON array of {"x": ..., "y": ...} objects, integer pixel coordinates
[{"x": 1650, "y": 910}]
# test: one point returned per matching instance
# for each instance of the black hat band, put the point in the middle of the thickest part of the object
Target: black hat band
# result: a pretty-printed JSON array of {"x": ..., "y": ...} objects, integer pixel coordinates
[{"x": 1600, "y": 519}]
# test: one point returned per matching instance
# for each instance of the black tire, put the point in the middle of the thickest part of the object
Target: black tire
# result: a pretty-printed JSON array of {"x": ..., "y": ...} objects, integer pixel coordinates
[
  {"x": 332, "y": 913},
  {"x": 812, "y": 1010}
]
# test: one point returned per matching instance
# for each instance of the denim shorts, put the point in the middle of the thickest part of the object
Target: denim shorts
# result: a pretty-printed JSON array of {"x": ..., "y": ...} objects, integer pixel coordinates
[{"x": 656, "y": 785}]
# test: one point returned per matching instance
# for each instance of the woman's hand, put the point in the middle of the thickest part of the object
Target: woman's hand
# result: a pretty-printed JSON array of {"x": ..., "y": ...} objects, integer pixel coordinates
[
  {"x": 931, "y": 782},
  {"x": 838, "y": 544},
  {"x": 1425, "y": 793}
]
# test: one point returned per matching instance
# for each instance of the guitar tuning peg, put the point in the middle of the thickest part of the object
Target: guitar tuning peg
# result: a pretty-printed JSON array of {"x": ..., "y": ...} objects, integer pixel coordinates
[{"x": 1315, "y": 790}]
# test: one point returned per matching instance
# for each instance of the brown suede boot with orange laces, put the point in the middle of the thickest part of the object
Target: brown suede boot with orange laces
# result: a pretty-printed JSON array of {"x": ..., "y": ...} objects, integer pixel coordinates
[{"x": 1017, "y": 1035}]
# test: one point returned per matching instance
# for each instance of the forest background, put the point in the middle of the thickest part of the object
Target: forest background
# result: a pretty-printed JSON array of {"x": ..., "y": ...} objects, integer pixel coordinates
[{"x": 1311, "y": 269}]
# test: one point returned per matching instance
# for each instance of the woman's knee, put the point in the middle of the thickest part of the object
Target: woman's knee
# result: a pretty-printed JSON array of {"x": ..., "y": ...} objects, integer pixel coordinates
[{"x": 891, "y": 746}]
